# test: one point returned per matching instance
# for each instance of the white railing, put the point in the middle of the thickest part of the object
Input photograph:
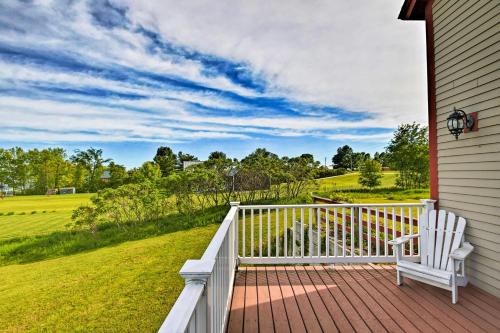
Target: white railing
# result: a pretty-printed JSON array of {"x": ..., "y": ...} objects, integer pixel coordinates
[
  {"x": 287, "y": 234},
  {"x": 326, "y": 233},
  {"x": 203, "y": 305}
]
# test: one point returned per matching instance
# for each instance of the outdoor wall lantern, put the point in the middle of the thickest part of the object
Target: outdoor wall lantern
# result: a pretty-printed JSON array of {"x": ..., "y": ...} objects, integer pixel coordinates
[{"x": 459, "y": 121}]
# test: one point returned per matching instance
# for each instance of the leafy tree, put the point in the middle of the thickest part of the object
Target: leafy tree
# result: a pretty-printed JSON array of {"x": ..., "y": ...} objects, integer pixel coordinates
[
  {"x": 166, "y": 159},
  {"x": 217, "y": 155},
  {"x": 381, "y": 158},
  {"x": 370, "y": 173},
  {"x": 92, "y": 160},
  {"x": 408, "y": 153},
  {"x": 118, "y": 173},
  {"x": 343, "y": 158},
  {"x": 148, "y": 172},
  {"x": 5, "y": 167},
  {"x": 18, "y": 169},
  {"x": 48, "y": 169}
]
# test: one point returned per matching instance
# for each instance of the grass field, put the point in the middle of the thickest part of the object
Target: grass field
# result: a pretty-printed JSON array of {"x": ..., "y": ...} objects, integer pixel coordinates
[
  {"x": 125, "y": 288},
  {"x": 38, "y": 214},
  {"x": 350, "y": 181},
  {"x": 346, "y": 188}
]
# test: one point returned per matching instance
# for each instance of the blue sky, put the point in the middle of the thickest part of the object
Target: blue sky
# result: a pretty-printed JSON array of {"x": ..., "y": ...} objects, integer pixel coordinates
[{"x": 199, "y": 76}]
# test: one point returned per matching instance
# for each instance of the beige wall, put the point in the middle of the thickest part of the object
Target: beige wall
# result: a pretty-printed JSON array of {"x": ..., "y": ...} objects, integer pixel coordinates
[{"x": 467, "y": 65}]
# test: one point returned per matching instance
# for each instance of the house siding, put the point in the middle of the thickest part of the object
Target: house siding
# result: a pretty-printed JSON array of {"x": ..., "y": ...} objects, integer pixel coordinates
[{"x": 467, "y": 76}]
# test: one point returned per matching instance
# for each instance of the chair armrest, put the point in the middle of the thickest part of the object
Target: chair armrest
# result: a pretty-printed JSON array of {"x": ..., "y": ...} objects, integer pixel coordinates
[
  {"x": 402, "y": 240},
  {"x": 462, "y": 252}
]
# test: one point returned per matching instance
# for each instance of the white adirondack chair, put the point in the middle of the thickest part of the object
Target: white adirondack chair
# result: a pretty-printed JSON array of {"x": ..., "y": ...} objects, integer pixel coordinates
[{"x": 442, "y": 253}]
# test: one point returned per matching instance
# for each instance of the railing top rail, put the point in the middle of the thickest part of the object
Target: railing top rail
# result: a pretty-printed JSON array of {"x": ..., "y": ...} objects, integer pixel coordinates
[
  {"x": 183, "y": 309},
  {"x": 361, "y": 205},
  {"x": 216, "y": 242}
]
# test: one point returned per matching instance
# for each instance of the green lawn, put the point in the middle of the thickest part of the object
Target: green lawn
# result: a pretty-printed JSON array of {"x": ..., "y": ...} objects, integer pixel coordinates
[
  {"x": 38, "y": 214},
  {"x": 346, "y": 188},
  {"x": 350, "y": 181},
  {"x": 125, "y": 288},
  {"x": 124, "y": 278}
]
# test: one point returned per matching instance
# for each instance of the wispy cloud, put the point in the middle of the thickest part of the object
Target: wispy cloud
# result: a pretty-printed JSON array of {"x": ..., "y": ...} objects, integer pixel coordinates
[{"x": 163, "y": 71}]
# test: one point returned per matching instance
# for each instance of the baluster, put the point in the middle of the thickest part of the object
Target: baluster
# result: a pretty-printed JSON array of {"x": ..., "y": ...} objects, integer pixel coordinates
[
  {"x": 302, "y": 232},
  {"x": 386, "y": 235},
  {"x": 410, "y": 217},
  {"x": 335, "y": 233},
  {"x": 403, "y": 225},
  {"x": 268, "y": 232},
  {"x": 327, "y": 231},
  {"x": 353, "y": 213},
  {"x": 277, "y": 233},
  {"x": 394, "y": 222},
  {"x": 360, "y": 231},
  {"x": 419, "y": 244},
  {"x": 369, "y": 227},
  {"x": 310, "y": 232},
  {"x": 285, "y": 236},
  {"x": 318, "y": 236},
  {"x": 377, "y": 235},
  {"x": 260, "y": 233},
  {"x": 252, "y": 231},
  {"x": 243, "y": 234},
  {"x": 294, "y": 236}
]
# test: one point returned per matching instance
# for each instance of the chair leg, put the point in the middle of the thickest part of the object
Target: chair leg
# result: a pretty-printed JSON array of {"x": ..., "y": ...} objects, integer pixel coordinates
[
  {"x": 399, "y": 278},
  {"x": 454, "y": 286}
]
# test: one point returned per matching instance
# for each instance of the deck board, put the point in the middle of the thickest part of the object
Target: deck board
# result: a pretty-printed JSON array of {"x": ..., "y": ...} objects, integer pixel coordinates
[{"x": 349, "y": 298}]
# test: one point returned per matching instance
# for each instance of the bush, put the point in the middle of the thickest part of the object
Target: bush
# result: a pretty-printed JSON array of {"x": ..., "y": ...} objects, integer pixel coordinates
[
  {"x": 370, "y": 173},
  {"x": 33, "y": 212},
  {"x": 131, "y": 203},
  {"x": 10, "y": 213},
  {"x": 341, "y": 197},
  {"x": 323, "y": 172}
]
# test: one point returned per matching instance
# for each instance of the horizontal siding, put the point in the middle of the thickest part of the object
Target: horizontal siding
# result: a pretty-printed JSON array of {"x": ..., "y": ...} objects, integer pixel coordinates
[
  {"x": 467, "y": 69},
  {"x": 467, "y": 29}
]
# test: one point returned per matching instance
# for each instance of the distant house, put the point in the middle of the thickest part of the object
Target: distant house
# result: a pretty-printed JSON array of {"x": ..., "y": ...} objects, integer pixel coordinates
[
  {"x": 463, "y": 72},
  {"x": 106, "y": 176},
  {"x": 187, "y": 164}
]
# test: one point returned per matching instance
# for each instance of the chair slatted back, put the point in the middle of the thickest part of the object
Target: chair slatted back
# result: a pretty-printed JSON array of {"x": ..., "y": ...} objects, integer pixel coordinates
[{"x": 440, "y": 234}]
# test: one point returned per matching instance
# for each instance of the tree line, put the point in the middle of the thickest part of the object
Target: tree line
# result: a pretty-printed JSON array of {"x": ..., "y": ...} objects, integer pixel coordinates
[{"x": 260, "y": 175}]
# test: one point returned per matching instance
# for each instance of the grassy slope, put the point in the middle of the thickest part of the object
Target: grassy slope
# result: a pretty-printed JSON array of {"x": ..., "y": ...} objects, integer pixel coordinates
[
  {"x": 52, "y": 213},
  {"x": 350, "y": 181},
  {"x": 129, "y": 287},
  {"x": 385, "y": 193}
]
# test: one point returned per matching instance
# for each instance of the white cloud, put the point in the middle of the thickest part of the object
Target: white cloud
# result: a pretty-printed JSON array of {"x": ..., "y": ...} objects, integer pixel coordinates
[
  {"x": 349, "y": 54},
  {"x": 352, "y": 54}
]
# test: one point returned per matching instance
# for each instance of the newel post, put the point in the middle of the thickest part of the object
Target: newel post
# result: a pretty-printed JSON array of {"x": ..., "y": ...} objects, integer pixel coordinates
[
  {"x": 198, "y": 272},
  {"x": 235, "y": 231},
  {"x": 423, "y": 224}
]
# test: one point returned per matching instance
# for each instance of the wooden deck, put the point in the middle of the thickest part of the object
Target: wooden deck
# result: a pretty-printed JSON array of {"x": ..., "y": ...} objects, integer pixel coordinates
[{"x": 361, "y": 298}]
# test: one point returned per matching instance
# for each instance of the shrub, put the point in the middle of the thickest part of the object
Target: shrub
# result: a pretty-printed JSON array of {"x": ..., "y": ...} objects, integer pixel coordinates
[
  {"x": 370, "y": 173},
  {"x": 131, "y": 203},
  {"x": 33, "y": 212},
  {"x": 10, "y": 213},
  {"x": 22, "y": 213}
]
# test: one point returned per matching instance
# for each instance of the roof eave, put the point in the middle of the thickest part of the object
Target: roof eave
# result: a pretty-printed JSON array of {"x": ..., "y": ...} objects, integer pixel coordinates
[{"x": 413, "y": 10}]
